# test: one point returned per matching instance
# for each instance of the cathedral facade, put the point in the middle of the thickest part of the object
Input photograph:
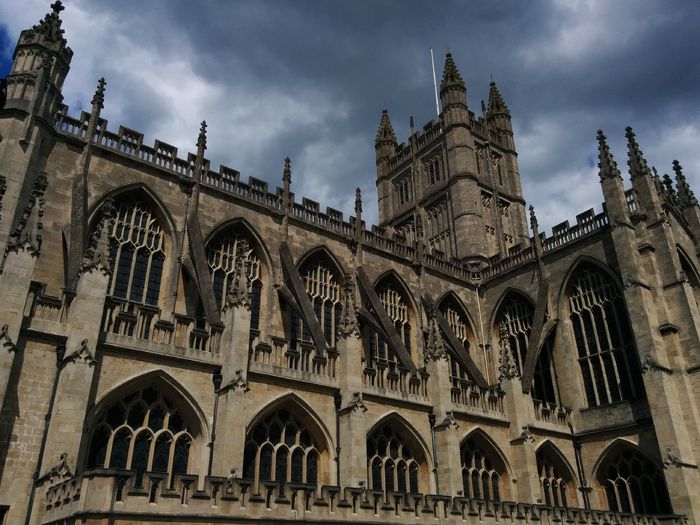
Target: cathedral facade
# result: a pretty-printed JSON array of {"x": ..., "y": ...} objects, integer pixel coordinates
[{"x": 179, "y": 345}]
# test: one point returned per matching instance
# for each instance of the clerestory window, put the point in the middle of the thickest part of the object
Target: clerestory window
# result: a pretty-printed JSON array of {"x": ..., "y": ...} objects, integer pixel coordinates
[
  {"x": 481, "y": 470},
  {"x": 392, "y": 463},
  {"x": 137, "y": 253}
]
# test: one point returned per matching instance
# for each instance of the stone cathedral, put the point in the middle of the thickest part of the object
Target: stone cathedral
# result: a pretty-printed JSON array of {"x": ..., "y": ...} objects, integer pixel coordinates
[{"x": 181, "y": 346}]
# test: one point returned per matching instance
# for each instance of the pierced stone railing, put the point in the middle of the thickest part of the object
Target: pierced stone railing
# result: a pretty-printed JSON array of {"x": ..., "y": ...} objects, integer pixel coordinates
[
  {"x": 117, "y": 496},
  {"x": 468, "y": 394},
  {"x": 552, "y": 413},
  {"x": 304, "y": 358},
  {"x": 389, "y": 376},
  {"x": 47, "y": 307}
]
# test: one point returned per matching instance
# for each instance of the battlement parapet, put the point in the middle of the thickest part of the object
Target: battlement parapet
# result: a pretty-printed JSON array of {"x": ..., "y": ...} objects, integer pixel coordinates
[{"x": 150, "y": 497}]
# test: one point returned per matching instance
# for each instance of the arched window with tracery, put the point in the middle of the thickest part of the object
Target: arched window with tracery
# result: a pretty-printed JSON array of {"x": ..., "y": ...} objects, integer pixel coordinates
[
  {"x": 555, "y": 477},
  {"x": 325, "y": 292},
  {"x": 516, "y": 314},
  {"x": 483, "y": 471},
  {"x": 393, "y": 464},
  {"x": 632, "y": 482},
  {"x": 606, "y": 353},
  {"x": 282, "y": 447},
  {"x": 459, "y": 323},
  {"x": 224, "y": 253},
  {"x": 144, "y": 431},
  {"x": 138, "y": 253},
  {"x": 432, "y": 168}
]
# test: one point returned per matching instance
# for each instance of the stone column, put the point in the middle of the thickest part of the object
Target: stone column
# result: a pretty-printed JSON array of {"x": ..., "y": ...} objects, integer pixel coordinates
[
  {"x": 352, "y": 422},
  {"x": 520, "y": 411},
  {"x": 232, "y": 410}
]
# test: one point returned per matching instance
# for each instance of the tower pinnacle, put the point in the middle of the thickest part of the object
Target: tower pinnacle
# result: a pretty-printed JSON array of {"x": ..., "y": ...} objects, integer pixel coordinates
[
  {"x": 606, "y": 163},
  {"x": 685, "y": 194},
  {"x": 451, "y": 76},
  {"x": 385, "y": 133},
  {"x": 637, "y": 162},
  {"x": 496, "y": 102}
]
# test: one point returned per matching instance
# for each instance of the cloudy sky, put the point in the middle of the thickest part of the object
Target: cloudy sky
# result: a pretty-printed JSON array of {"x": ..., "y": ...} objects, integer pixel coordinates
[{"x": 308, "y": 80}]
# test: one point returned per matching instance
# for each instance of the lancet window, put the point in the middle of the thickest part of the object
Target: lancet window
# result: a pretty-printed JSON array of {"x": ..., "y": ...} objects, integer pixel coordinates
[
  {"x": 555, "y": 480},
  {"x": 633, "y": 483},
  {"x": 227, "y": 251},
  {"x": 481, "y": 470},
  {"x": 432, "y": 169},
  {"x": 403, "y": 189},
  {"x": 393, "y": 464},
  {"x": 604, "y": 341},
  {"x": 325, "y": 294},
  {"x": 282, "y": 448},
  {"x": 143, "y": 432},
  {"x": 137, "y": 253}
]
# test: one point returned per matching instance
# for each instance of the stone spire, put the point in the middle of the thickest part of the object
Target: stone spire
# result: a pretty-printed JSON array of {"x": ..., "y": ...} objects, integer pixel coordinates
[
  {"x": 637, "y": 163},
  {"x": 496, "y": 102},
  {"x": 451, "y": 76},
  {"x": 385, "y": 133},
  {"x": 507, "y": 369},
  {"x": 607, "y": 167},
  {"x": 434, "y": 343},
  {"x": 686, "y": 196},
  {"x": 98, "y": 99}
]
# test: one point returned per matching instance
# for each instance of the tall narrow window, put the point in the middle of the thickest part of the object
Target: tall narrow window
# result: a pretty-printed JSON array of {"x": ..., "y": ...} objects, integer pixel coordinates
[
  {"x": 393, "y": 465},
  {"x": 457, "y": 319},
  {"x": 555, "y": 479},
  {"x": 482, "y": 470},
  {"x": 137, "y": 253},
  {"x": 282, "y": 448},
  {"x": 325, "y": 294},
  {"x": 432, "y": 169},
  {"x": 224, "y": 253},
  {"x": 633, "y": 483},
  {"x": 606, "y": 352},
  {"x": 138, "y": 433}
]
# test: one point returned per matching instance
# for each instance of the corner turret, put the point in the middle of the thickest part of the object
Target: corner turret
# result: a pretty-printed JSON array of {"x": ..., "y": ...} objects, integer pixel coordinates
[
  {"x": 385, "y": 148},
  {"x": 40, "y": 64}
]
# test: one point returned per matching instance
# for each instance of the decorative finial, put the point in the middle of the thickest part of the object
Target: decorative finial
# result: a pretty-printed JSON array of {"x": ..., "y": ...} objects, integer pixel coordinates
[
  {"x": 287, "y": 173},
  {"x": 451, "y": 74},
  {"x": 533, "y": 220},
  {"x": 202, "y": 138},
  {"x": 496, "y": 102},
  {"x": 57, "y": 7},
  {"x": 358, "y": 202},
  {"x": 685, "y": 194},
  {"x": 99, "y": 98},
  {"x": 607, "y": 167},
  {"x": 385, "y": 133},
  {"x": 636, "y": 162}
]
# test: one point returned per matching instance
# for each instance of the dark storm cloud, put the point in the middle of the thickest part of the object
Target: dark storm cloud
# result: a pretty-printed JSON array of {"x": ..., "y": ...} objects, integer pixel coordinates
[{"x": 309, "y": 79}]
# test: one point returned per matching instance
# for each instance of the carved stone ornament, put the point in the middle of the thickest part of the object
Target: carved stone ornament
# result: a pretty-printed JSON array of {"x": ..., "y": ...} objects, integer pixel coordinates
[
  {"x": 59, "y": 472},
  {"x": 27, "y": 232},
  {"x": 671, "y": 460},
  {"x": 507, "y": 369},
  {"x": 239, "y": 294},
  {"x": 434, "y": 344},
  {"x": 97, "y": 255},
  {"x": 239, "y": 382},
  {"x": 649, "y": 364},
  {"x": 81, "y": 355},
  {"x": 356, "y": 404},
  {"x": 449, "y": 423},
  {"x": 526, "y": 435},
  {"x": 6, "y": 340},
  {"x": 348, "y": 325}
]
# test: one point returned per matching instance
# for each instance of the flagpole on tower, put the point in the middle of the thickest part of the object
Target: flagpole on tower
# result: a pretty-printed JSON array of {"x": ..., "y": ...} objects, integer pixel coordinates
[{"x": 437, "y": 104}]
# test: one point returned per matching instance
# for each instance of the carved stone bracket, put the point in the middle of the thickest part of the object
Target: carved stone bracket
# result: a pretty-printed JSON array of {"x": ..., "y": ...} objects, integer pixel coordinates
[
  {"x": 239, "y": 382},
  {"x": 649, "y": 364},
  {"x": 356, "y": 405},
  {"x": 6, "y": 340},
  {"x": 97, "y": 255},
  {"x": 81, "y": 355},
  {"x": 449, "y": 423},
  {"x": 673, "y": 461}
]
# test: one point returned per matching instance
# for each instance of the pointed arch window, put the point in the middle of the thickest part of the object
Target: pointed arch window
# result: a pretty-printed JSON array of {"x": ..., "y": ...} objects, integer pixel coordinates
[
  {"x": 282, "y": 448},
  {"x": 604, "y": 341},
  {"x": 482, "y": 470},
  {"x": 376, "y": 346},
  {"x": 632, "y": 482},
  {"x": 517, "y": 316},
  {"x": 137, "y": 244},
  {"x": 393, "y": 464},
  {"x": 432, "y": 168},
  {"x": 555, "y": 479},
  {"x": 144, "y": 431},
  {"x": 457, "y": 319},
  {"x": 325, "y": 293},
  {"x": 223, "y": 255}
]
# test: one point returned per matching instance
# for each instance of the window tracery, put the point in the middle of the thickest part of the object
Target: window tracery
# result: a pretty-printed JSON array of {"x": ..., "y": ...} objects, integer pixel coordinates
[
  {"x": 633, "y": 483},
  {"x": 554, "y": 480},
  {"x": 223, "y": 255},
  {"x": 137, "y": 244},
  {"x": 392, "y": 463},
  {"x": 606, "y": 353},
  {"x": 432, "y": 168},
  {"x": 481, "y": 471},
  {"x": 281, "y": 448},
  {"x": 144, "y": 431},
  {"x": 325, "y": 294},
  {"x": 403, "y": 189}
]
